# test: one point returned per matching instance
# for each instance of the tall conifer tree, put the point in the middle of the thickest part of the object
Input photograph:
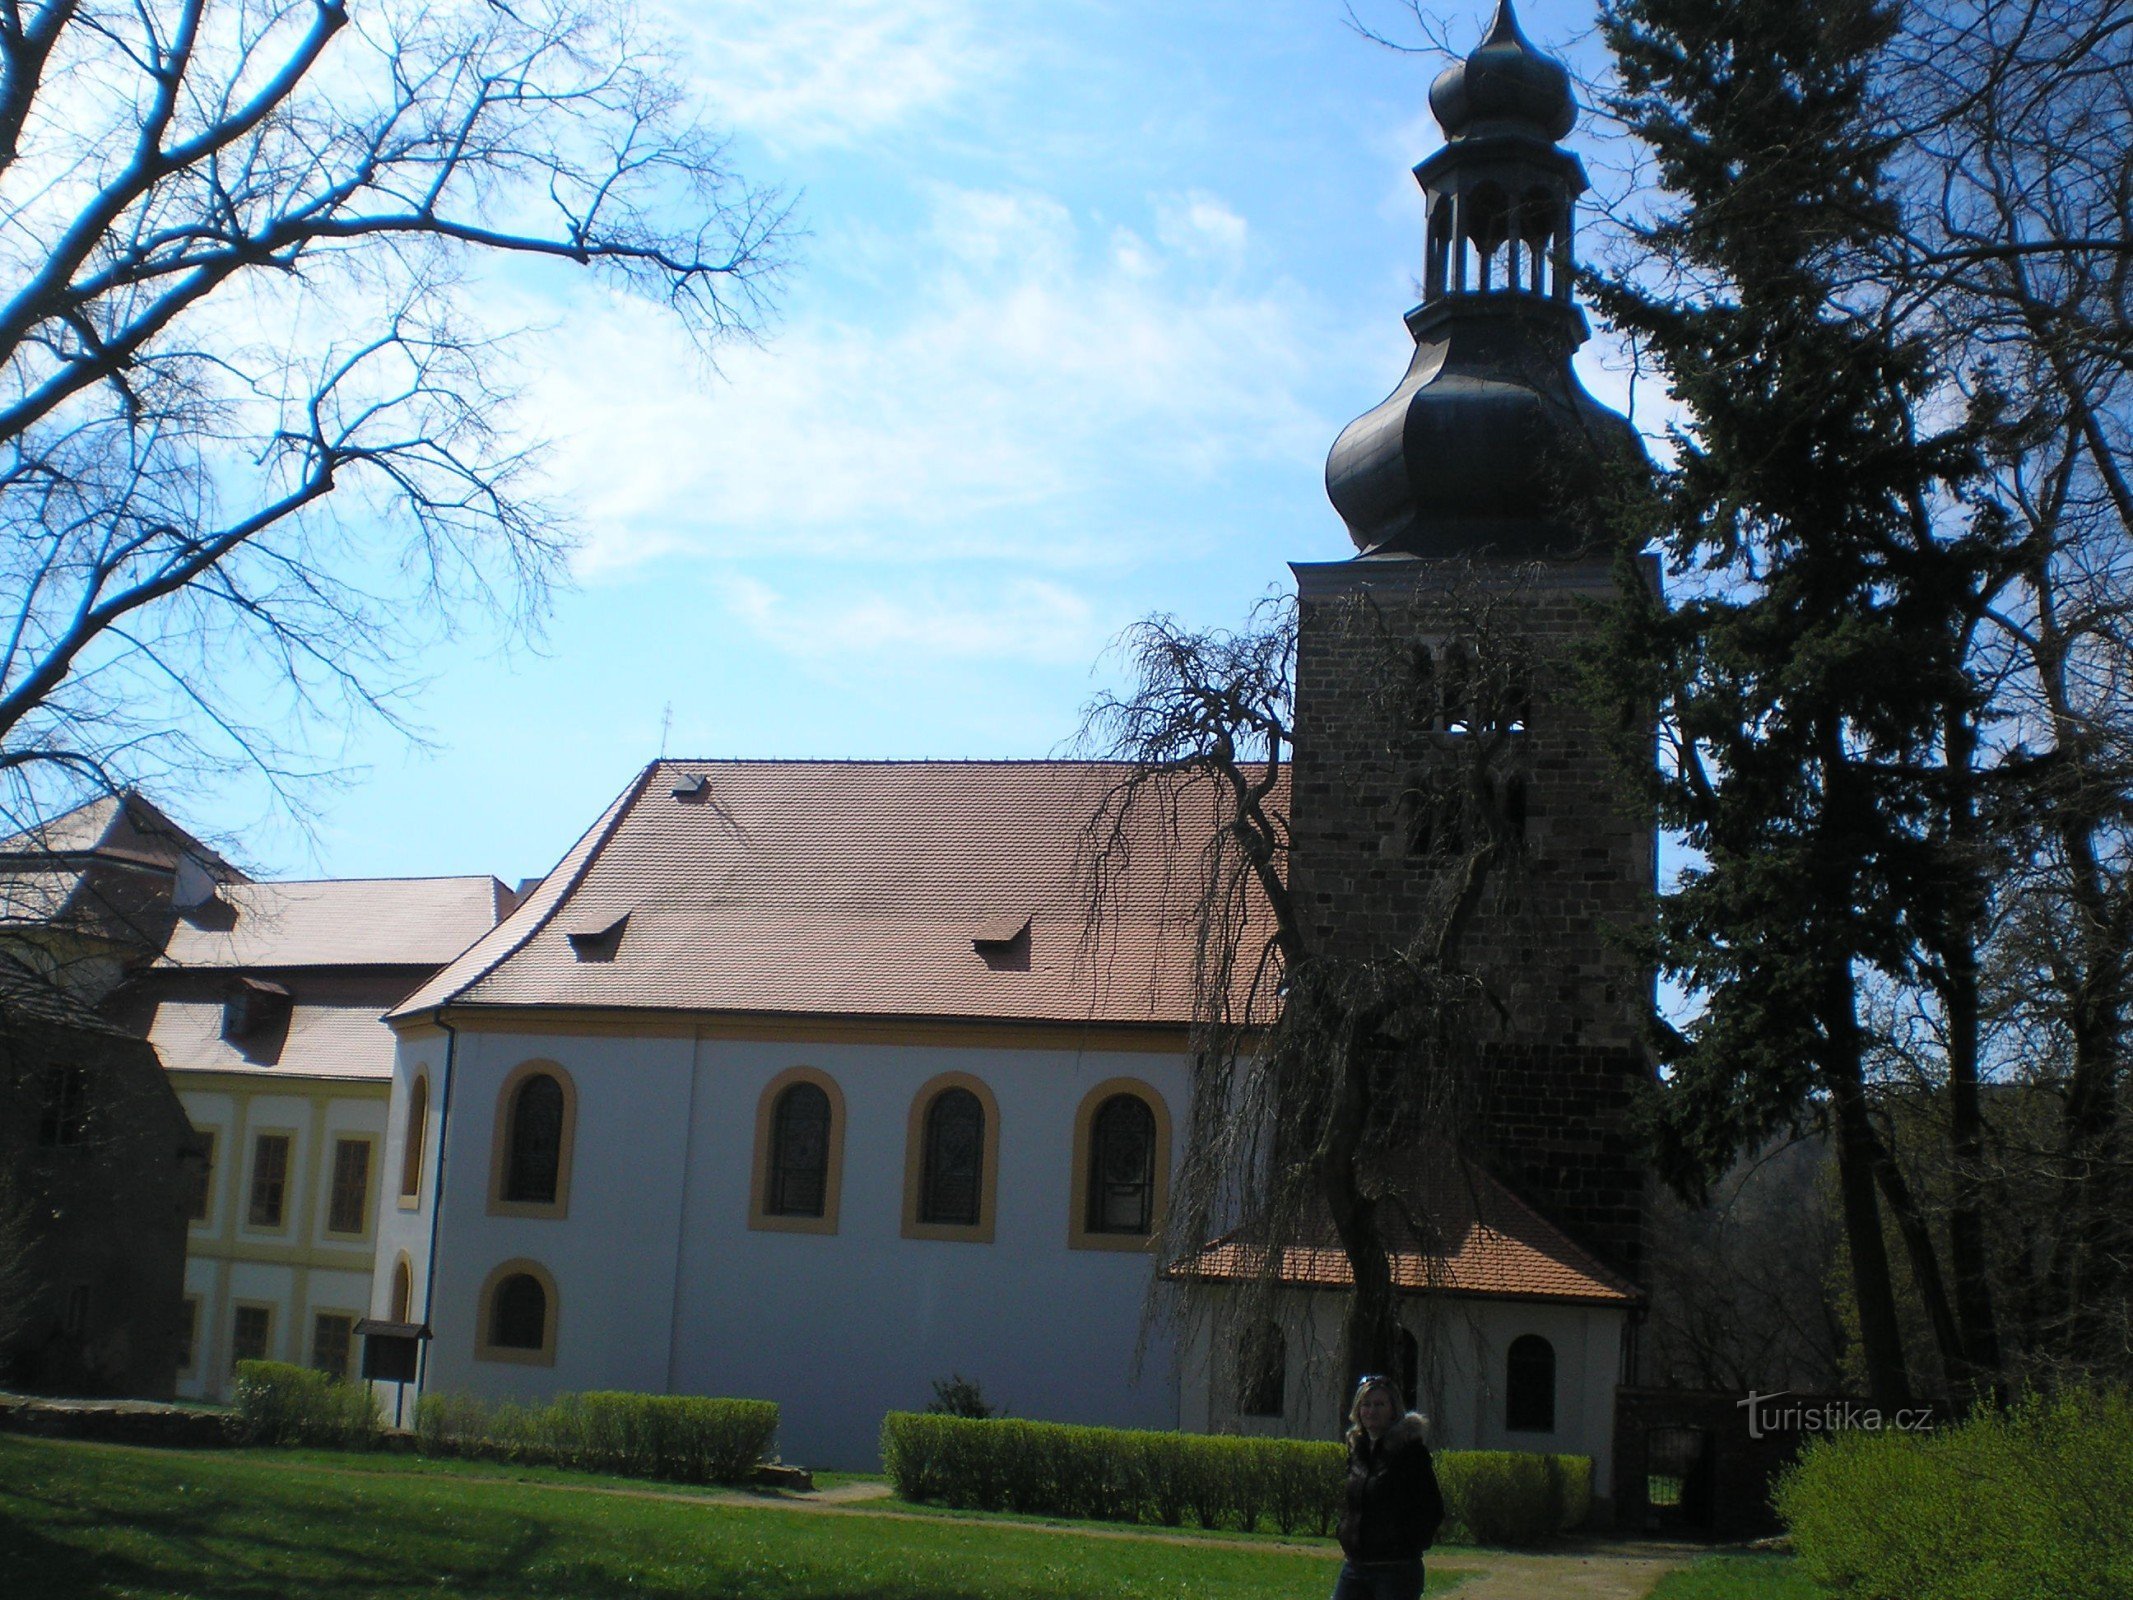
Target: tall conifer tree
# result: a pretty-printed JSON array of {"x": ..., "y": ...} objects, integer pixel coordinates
[{"x": 1807, "y": 679}]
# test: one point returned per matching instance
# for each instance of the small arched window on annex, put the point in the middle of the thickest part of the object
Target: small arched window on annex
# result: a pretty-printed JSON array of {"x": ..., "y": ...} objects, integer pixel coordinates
[
  {"x": 401, "y": 1307},
  {"x": 1529, "y": 1385},
  {"x": 516, "y": 1317},
  {"x": 951, "y": 1160},
  {"x": 535, "y": 1126},
  {"x": 1121, "y": 1179},
  {"x": 1263, "y": 1371},
  {"x": 415, "y": 1140},
  {"x": 799, "y": 1153}
]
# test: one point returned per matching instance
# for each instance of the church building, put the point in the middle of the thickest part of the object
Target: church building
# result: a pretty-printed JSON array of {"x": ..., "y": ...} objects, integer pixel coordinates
[{"x": 822, "y": 1082}]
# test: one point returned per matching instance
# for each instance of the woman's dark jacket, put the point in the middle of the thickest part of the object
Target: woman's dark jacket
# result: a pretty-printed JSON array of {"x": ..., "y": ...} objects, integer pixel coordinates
[{"x": 1394, "y": 1504}]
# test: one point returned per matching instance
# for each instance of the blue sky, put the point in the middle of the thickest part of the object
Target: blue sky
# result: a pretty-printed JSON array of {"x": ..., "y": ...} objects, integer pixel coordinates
[{"x": 1087, "y": 291}]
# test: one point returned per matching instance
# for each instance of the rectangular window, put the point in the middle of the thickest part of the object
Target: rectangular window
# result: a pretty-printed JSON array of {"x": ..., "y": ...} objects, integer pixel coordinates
[
  {"x": 332, "y": 1337},
  {"x": 201, "y": 1177},
  {"x": 270, "y": 1179},
  {"x": 349, "y": 1208},
  {"x": 188, "y": 1331},
  {"x": 65, "y": 1113},
  {"x": 250, "y": 1328}
]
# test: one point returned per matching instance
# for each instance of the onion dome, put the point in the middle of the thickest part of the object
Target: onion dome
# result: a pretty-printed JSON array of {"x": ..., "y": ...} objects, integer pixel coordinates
[
  {"x": 1490, "y": 445},
  {"x": 1505, "y": 80}
]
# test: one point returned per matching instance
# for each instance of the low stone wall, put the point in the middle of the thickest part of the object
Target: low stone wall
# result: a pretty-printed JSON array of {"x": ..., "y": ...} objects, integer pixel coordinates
[{"x": 119, "y": 1422}]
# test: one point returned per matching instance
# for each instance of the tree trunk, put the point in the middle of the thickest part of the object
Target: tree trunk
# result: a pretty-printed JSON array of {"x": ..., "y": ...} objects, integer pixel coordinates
[{"x": 1880, "y": 1337}]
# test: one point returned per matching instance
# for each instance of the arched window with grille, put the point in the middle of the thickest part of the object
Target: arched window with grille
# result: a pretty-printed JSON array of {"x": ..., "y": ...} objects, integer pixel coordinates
[
  {"x": 518, "y": 1314},
  {"x": 1121, "y": 1166},
  {"x": 952, "y": 1188},
  {"x": 799, "y": 1150},
  {"x": 536, "y": 1119},
  {"x": 1529, "y": 1385},
  {"x": 403, "y": 1296},
  {"x": 950, "y": 1167}
]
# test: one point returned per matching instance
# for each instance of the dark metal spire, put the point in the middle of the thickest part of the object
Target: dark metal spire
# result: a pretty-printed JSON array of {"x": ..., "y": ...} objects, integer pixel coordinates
[{"x": 1490, "y": 443}]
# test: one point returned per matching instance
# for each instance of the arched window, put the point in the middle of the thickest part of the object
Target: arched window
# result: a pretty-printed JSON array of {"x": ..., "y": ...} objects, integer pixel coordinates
[
  {"x": 403, "y": 1301},
  {"x": 951, "y": 1160},
  {"x": 518, "y": 1319},
  {"x": 952, "y": 1185},
  {"x": 535, "y": 1140},
  {"x": 1122, "y": 1167},
  {"x": 1263, "y": 1372},
  {"x": 1121, "y": 1174},
  {"x": 418, "y": 1137},
  {"x": 536, "y": 1117},
  {"x": 1529, "y": 1385},
  {"x": 799, "y": 1152},
  {"x": 517, "y": 1315}
]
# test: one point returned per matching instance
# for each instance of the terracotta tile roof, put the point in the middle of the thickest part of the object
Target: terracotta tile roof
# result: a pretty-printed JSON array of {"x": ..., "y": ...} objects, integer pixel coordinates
[
  {"x": 322, "y": 1041},
  {"x": 841, "y": 888},
  {"x": 1483, "y": 1240},
  {"x": 340, "y": 922},
  {"x": 123, "y": 827}
]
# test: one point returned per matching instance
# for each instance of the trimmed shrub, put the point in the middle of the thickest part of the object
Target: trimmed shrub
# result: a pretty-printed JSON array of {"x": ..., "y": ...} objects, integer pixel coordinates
[
  {"x": 1220, "y": 1480},
  {"x": 680, "y": 1438},
  {"x": 283, "y": 1404},
  {"x": 2023, "y": 1504},
  {"x": 1512, "y": 1496}
]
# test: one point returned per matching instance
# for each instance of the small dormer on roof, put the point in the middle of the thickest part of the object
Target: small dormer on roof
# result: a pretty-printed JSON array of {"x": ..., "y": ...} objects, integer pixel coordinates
[{"x": 1490, "y": 445}]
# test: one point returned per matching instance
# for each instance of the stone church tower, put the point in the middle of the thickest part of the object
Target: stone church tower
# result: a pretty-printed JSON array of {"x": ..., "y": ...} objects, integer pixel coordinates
[{"x": 1473, "y": 494}]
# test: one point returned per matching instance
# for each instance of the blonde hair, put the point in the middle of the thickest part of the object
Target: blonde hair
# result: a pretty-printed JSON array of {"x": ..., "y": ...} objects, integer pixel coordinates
[{"x": 1381, "y": 1384}]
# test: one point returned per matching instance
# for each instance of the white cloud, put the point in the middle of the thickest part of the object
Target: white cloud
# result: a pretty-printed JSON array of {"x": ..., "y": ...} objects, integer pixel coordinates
[
  {"x": 1026, "y": 370},
  {"x": 1026, "y": 619},
  {"x": 830, "y": 72}
]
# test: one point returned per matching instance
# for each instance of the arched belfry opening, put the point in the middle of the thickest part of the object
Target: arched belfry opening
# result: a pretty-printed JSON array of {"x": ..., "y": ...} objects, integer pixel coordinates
[{"x": 1477, "y": 495}]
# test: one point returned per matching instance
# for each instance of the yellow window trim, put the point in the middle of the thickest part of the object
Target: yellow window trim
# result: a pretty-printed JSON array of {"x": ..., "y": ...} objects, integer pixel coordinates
[
  {"x": 291, "y": 1184},
  {"x": 334, "y": 1141},
  {"x": 485, "y": 1310},
  {"x": 759, "y": 1217},
  {"x": 499, "y": 1149},
  {"x": 1079, "y": 1235},
  {"x": 414, "y": 1145},
  {"x": 915, "y": 1162}
]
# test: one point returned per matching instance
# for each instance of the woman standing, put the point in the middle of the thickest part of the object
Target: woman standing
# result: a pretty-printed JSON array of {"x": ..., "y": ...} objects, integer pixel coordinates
[{"x": 1394, "y": 1504}]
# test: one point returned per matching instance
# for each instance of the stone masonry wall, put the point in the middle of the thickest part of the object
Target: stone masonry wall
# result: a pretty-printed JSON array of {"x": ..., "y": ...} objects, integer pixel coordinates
[{"x": 1562, "y": 1060}]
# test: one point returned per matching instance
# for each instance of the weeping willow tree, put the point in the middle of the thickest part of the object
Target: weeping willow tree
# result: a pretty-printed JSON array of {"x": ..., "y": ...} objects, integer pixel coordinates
[{"x": 1333, "y": 1087}]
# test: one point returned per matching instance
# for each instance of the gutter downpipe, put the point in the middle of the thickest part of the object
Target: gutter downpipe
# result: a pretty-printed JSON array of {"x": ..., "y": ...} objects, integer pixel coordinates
[{"x": 429, "y": 1268}]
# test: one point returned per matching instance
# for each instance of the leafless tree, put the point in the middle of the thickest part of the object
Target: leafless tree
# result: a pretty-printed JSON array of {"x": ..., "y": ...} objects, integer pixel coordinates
[
  {"x": 256, "y": 432},
  {"x": 1318, "y": 1074}
]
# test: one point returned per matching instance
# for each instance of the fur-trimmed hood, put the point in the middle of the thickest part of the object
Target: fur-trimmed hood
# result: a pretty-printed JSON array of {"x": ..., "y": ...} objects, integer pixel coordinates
[{"x": 1410, "y": 1430}]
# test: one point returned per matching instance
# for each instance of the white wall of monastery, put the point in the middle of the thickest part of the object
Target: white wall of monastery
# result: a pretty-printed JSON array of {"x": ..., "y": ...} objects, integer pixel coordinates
[
  {"x": 1463, "y": 1345},
  {"x": 664, "y": 1286}
]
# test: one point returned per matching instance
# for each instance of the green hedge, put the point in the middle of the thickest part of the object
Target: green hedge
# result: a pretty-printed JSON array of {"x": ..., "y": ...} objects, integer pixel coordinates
[
  {"x": 1215, "y": 1480},
  {"x": 682, "y": 1438},
  {"x": 1512, "y": 1496},
  {"x": 2024, "y": 1504},
  {"x": 281, "y": 1404}
]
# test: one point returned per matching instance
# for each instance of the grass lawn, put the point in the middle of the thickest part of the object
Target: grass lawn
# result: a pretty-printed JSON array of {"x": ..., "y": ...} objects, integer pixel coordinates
[
  {"x": 81, "y": 1522},
  {"x": 1738, "y": 1578}
]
